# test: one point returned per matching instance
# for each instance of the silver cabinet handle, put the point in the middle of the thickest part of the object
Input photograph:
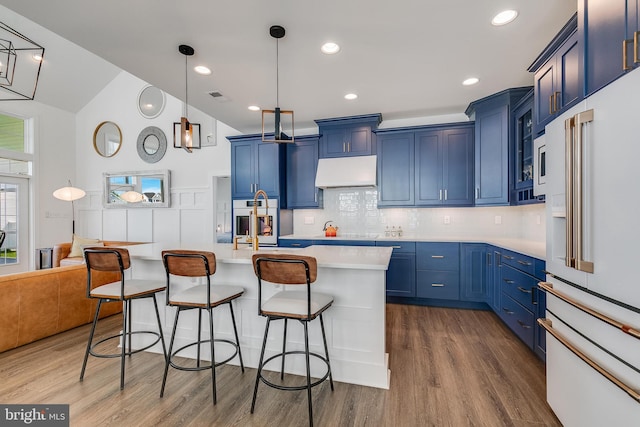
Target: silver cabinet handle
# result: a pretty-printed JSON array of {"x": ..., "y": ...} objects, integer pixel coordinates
[
  {"x": 509, "y": 281},
  {"x": 440, "y": 195},
  {"x": 509, "y": 312},
  {"x": 348, "y": 147},
  {"x": 524, "y": 263},
  {"x": 445, "y": 194},
  {"x": 477, "y": 192},
  {"x": 526, "y": 291},
  {"x": 437, "y": 285},
  {"x": 296, "y": 244},
  {"x": 437, "y": 256},
  {"x": 524, "y": 325}
]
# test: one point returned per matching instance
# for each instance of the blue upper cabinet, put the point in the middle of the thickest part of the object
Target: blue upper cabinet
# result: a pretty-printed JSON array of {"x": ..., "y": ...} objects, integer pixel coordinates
[
  {"x": 522, "y": 152},
  {"x": 557, "y": 76},
  {"x": 493, "y": 135},
  {"x": 444, "y": 166},
  {"x": 256, "y": 165},
  {"x": 395, "y": 169},
  {"x": 348, "y": 136},
  {"x": 302, "y": 164},
  {"x": 607, "y": 28}
]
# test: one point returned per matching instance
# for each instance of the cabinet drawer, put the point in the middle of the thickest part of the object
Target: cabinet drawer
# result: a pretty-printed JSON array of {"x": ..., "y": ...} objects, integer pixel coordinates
[
  {"x": 519, "y": 286},
  {"x": 438, "y": 256},
  {"x": 399, "y": 247},
  {"x": 294, "y": 243},
  {"x": 438, "y": 284},
  {"x": 519, "y": 319},
  {"x": 519, "y": 261}
]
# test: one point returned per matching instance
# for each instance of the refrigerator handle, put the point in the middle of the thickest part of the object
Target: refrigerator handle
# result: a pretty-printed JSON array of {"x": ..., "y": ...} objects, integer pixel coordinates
[{"x": 574, "y": 191}]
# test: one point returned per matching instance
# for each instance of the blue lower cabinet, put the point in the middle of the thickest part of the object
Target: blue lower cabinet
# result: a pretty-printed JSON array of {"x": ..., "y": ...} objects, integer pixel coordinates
[
  {"x": 474, "y": 264},
  {"x": 438, "y": 284},
  {"x": 520, "y": 320},
  {"x": 294, "y": 243},
  {"x": 401, "y": 275}
]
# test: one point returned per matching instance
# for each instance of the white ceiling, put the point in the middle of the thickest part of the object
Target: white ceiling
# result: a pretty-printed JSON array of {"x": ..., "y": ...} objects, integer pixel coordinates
[{"x": 404, "y": 58}]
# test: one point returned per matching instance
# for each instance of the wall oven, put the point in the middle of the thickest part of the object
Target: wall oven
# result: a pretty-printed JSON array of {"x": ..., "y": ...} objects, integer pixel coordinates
[{"x": 267, "y": 220}]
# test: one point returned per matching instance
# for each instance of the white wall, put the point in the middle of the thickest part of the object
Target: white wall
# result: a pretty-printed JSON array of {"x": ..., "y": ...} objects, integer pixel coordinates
[{"x": 189, "y": 217}]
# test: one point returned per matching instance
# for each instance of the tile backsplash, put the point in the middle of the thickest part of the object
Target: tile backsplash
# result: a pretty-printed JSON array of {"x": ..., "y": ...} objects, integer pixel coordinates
[{"x": 355, "y": 211}]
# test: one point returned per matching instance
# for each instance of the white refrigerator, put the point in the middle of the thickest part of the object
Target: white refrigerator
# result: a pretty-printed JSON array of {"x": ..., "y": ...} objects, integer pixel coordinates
[{"x": 593, "y": 258}]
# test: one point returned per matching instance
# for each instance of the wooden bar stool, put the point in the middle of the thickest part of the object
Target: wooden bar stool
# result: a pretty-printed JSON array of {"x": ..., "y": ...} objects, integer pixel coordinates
[
  {"x": 288, "y": 304},
  {"x": 189, "y": 263},
  {"x": 117, "y": 260}
]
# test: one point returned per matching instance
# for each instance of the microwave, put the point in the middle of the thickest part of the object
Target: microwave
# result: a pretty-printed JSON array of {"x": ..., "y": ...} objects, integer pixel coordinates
[{"x": 267, "y": 220}]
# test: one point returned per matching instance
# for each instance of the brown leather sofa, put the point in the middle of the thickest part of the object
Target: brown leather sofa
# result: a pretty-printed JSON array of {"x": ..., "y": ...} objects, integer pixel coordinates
[
  {"x": 61, "y": 251},
  {"x": 38, "y": 304}
]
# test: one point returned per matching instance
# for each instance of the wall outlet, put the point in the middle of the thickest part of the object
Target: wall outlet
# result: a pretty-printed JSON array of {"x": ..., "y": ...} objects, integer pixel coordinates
[
  {"x": 309, "y": 220},
  {"x": 497, "y": 219},
  {"x": 447, "y": 219}
]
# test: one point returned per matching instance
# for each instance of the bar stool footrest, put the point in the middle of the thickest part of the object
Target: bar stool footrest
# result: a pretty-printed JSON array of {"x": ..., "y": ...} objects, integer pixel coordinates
[
  {"x": 294, "y": 388},
  {"x": 128, "y": 352},
  {"x": 202, "y": 368}
]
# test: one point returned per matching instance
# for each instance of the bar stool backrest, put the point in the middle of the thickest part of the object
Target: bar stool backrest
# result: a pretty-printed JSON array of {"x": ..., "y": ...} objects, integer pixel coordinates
[
  {"x": 285, "y": 269},
  {"x": 102, "y": 259},
  {"x": 182, "y": 262}
]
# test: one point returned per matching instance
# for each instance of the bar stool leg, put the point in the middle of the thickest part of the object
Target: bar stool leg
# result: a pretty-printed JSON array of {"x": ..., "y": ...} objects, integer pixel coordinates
[
  {"x": 129, "y": 312},
  {"x": 259, "y": 373},
  {"x": 306, "y": 351},
  {"x": 326, "y": 351},
  {"x": 164, "y": 346},
  {"x": 213, "y": 356},
  {"x": 199, "y": 337},
  {"x": 235, "y": 331},
  {"x": 170, "y": 354},
  {"x": 125, "y": 307},
  {"x": 91, "y": 334},
  {"x": 284, "y": 348}
]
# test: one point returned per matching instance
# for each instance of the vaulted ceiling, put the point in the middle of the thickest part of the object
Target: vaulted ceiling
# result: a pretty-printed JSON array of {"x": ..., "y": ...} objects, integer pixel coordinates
[{"x": 404, "y": 58}]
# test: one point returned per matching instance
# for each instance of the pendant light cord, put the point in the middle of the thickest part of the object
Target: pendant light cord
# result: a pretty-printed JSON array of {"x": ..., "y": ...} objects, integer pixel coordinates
[
  {"x": 277, "y": 73},
  {"x": 186, "y": 88}
]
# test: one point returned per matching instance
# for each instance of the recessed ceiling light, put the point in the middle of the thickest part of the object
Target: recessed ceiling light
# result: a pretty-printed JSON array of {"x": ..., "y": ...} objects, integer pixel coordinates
[
  {"x": 201, "y": 69},
  {"x": 504, "y": 17},
  {"x": 330, "y": 48},
  {"x": 350, "y": 96},
  {"x": 470, "y": 81},
  {"x": 254, "y": 108}
]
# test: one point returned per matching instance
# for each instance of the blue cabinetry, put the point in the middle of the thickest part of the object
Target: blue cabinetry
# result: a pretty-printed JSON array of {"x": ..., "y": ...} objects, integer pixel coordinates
[
  {"x": 607, "y": 28},
  {"x": 348, "y": 136},
  {"x": 401, "y": 275},
  {"x": 557, "y": 76},
  {"x": 396, "y": 169},
  {"x": 522, "y": 153},
  {"x": 438, "y": 270},
  {"x": 444, "y": 166},
  {"x": 521, "y": 301},
  {"x": 257, "y": 165},
  {"x": 474, "y": 265},
  {"x": 302, "y": 164},
  {"x": 493, "y": 135}
]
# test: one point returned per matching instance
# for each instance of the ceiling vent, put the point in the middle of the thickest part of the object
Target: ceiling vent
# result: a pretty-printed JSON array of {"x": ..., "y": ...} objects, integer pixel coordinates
[{"x": 218, "y": 96}]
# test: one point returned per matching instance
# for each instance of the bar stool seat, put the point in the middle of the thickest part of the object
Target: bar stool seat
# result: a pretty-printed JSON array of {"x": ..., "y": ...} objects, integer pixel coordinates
[
  {"x": 126, "y": 290},
  {"x": 303, "y": 306},
  {"x": 202, "y": 297}
]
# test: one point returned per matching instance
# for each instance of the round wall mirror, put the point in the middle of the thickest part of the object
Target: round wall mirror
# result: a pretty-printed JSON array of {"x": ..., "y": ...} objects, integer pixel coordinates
[
  {"x": 151, "y": 102},
  {"x": 107, "y": 139},
  {"x": 152, "y": 144}
]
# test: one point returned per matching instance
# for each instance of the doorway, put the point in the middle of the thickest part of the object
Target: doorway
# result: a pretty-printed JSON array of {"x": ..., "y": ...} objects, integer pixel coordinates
[{"x": 14, "y": 224}]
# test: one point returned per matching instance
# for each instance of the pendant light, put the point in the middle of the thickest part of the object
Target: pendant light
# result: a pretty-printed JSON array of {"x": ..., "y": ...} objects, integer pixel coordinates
[
  {"x": 277, "y": 32},
  {"x": 186, "y": 134},
  {"x": 70, "y": 194}
]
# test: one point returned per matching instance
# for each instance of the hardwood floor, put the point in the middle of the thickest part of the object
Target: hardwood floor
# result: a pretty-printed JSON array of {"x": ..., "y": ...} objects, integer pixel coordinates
[{"x": 449, "y": 367}]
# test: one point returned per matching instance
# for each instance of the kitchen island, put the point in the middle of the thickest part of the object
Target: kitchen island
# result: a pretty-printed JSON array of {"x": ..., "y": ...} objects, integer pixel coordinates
[{"x": 355, "y": 324}]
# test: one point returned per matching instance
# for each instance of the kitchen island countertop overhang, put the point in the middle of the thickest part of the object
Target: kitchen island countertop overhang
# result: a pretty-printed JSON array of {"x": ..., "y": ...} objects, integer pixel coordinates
[{"x": 355, "y": 324}]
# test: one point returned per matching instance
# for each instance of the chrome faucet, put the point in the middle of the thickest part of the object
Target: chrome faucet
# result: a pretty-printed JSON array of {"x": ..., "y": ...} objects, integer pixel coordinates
[{"x": 254, "y": 238}]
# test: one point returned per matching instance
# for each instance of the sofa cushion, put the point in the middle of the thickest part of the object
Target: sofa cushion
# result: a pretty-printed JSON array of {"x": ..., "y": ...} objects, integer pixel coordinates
[{"x": 78, "y": 244}]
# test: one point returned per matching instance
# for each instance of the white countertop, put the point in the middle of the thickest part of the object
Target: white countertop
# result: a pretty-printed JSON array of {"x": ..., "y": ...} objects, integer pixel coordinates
[
  {"x": 351, "y": 257},
  {"x": 535, "y": 249}
]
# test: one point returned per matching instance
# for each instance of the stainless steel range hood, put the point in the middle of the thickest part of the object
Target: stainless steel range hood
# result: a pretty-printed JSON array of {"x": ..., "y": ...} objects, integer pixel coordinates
[{"x": 357, "y": 171}]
